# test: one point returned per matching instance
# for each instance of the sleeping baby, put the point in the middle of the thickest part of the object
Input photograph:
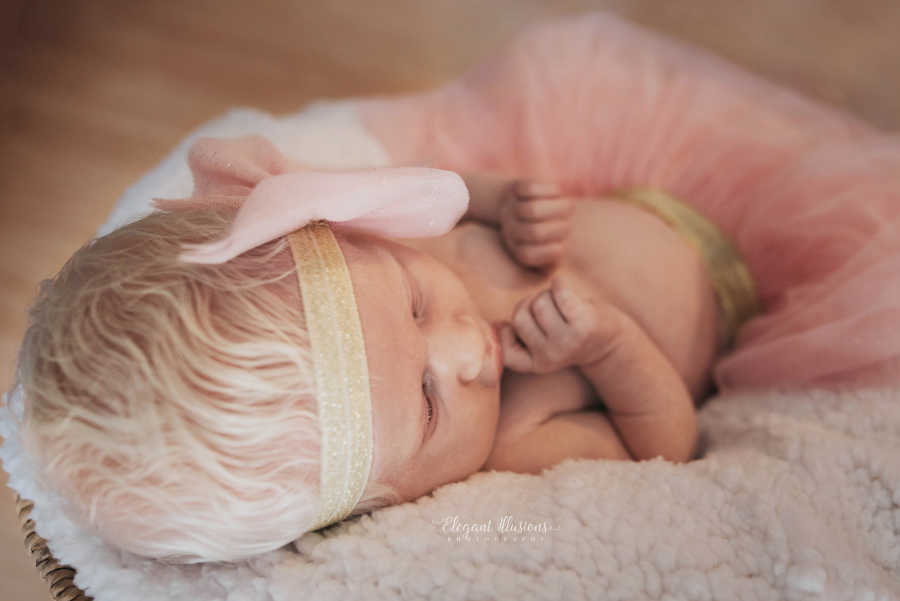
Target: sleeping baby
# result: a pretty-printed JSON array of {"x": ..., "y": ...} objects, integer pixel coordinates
[
  {"x": 219, "y": 402},
  {"x": 289, "y": 347}
]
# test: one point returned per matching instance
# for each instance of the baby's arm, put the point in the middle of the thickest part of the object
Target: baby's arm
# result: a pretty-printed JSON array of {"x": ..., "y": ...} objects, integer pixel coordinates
[
  {"x": 533, "y": 218},
  {"x": 585, "y": 434},
  {"x": 647, "y": 399}
]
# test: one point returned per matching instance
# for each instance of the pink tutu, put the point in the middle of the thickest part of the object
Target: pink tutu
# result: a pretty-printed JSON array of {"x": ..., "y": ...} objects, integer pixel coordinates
[{"x": 811, "y": 196}]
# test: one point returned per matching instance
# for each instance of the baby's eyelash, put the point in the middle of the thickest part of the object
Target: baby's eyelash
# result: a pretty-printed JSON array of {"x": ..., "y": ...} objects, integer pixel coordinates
[
  {"x": 430, "y": 410},
  {"x": 418, "y": 308},
  {"x": 426, "y": 394}
]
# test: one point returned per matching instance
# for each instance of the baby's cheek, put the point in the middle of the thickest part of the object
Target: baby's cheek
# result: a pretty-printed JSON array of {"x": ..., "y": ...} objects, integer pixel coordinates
[{"x": 470, "y": 453}]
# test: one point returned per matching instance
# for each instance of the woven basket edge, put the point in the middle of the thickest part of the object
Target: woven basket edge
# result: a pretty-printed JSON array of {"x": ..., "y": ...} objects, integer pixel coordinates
[{"x": 59, "y": 578}]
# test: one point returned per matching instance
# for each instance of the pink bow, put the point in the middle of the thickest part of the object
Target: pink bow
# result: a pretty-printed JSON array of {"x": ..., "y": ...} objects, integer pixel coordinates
[{"x": 274, "y": 196}]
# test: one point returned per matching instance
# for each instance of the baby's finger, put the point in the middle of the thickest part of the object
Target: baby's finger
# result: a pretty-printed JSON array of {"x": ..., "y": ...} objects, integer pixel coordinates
[
  {"x": 528, "y": 232},
  {"x": 576, "y": 311},
  {"x": 547, "y": 314},
  {"x": 565, "y": 299},
  {"x": 515, "y": 356},
  {"x": 541, "y": 209},
  {"x": 528, "y": 189},
  {"x": 538, "y": 255},
  {"x": 526, "y": 328}
]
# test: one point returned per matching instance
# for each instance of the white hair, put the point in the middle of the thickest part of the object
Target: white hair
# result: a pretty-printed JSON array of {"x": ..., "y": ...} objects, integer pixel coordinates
[{"x": 173, "y": 404}]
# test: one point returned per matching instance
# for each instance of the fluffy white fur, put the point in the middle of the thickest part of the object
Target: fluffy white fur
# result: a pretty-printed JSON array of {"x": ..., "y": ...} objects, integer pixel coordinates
[{"x": 797, "y": 495}]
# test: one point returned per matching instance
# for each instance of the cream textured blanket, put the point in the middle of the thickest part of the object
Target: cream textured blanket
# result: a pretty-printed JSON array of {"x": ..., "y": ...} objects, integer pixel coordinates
[{"x": 797, "y": 495}]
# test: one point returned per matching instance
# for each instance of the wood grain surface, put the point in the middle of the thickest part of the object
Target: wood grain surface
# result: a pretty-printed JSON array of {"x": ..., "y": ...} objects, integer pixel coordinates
[{"x": 94, "y": 93}]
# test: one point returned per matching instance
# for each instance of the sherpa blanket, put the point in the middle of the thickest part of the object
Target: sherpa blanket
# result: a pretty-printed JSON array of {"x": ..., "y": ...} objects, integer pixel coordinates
[{"x": 796, "y": 495}]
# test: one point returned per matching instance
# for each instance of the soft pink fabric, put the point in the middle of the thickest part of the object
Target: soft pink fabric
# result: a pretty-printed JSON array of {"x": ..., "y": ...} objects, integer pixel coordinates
[
  {"x": 274, "y": 197},
  {"x": 810, "y": 195}
]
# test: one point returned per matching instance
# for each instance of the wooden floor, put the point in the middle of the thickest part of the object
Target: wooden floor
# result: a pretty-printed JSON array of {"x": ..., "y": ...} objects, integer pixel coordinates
[{"x": 95, "y": 92}]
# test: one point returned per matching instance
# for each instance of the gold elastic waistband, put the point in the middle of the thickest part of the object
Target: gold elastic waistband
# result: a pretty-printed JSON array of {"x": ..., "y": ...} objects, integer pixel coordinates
[{"x": 731, "y": 279}]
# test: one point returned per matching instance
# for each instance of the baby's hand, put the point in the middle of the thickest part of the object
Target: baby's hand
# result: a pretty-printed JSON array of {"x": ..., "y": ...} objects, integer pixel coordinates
[
  {"x": 556, "y": 329},
  {"x": 535, "y": 222}
]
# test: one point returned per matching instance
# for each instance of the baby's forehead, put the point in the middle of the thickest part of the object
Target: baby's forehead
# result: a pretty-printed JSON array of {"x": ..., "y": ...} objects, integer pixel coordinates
[
  {"x": 379, "y": 288},
  {"x": 375, "y": 272}
]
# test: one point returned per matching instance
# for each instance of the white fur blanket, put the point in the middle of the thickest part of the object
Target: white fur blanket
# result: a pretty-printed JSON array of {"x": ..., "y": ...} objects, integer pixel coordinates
[{"x": 797, "y": 495}]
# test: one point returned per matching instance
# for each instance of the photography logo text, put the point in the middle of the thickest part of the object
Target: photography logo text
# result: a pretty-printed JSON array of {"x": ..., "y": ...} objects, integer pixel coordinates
[{"x": 504, "y": 529}]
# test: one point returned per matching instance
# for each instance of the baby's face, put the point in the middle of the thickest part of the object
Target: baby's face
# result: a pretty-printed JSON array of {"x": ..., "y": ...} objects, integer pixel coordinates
[{"x": 434, "y": 366}]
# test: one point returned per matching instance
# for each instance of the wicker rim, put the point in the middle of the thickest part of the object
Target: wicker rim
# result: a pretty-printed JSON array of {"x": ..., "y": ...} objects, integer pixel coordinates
[{"x": 61, "y": 578}]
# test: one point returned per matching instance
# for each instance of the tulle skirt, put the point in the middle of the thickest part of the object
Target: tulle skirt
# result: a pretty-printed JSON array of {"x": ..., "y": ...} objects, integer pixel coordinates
[{"x": 810, "y": 195}]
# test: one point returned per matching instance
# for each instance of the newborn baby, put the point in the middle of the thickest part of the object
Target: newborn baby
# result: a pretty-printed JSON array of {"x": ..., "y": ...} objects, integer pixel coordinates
[
  {"x": 164, "y": 387},
  {"x": 176, "y": 400}
]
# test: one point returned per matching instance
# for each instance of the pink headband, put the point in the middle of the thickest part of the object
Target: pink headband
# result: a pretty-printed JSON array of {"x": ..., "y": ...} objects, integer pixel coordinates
[{"x": 274, "y": 196}]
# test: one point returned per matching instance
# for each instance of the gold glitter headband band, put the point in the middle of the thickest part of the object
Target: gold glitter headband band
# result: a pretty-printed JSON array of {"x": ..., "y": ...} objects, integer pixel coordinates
[
  {"x": 342, "y": 376},
  {"x": 731, "y": 279}
]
